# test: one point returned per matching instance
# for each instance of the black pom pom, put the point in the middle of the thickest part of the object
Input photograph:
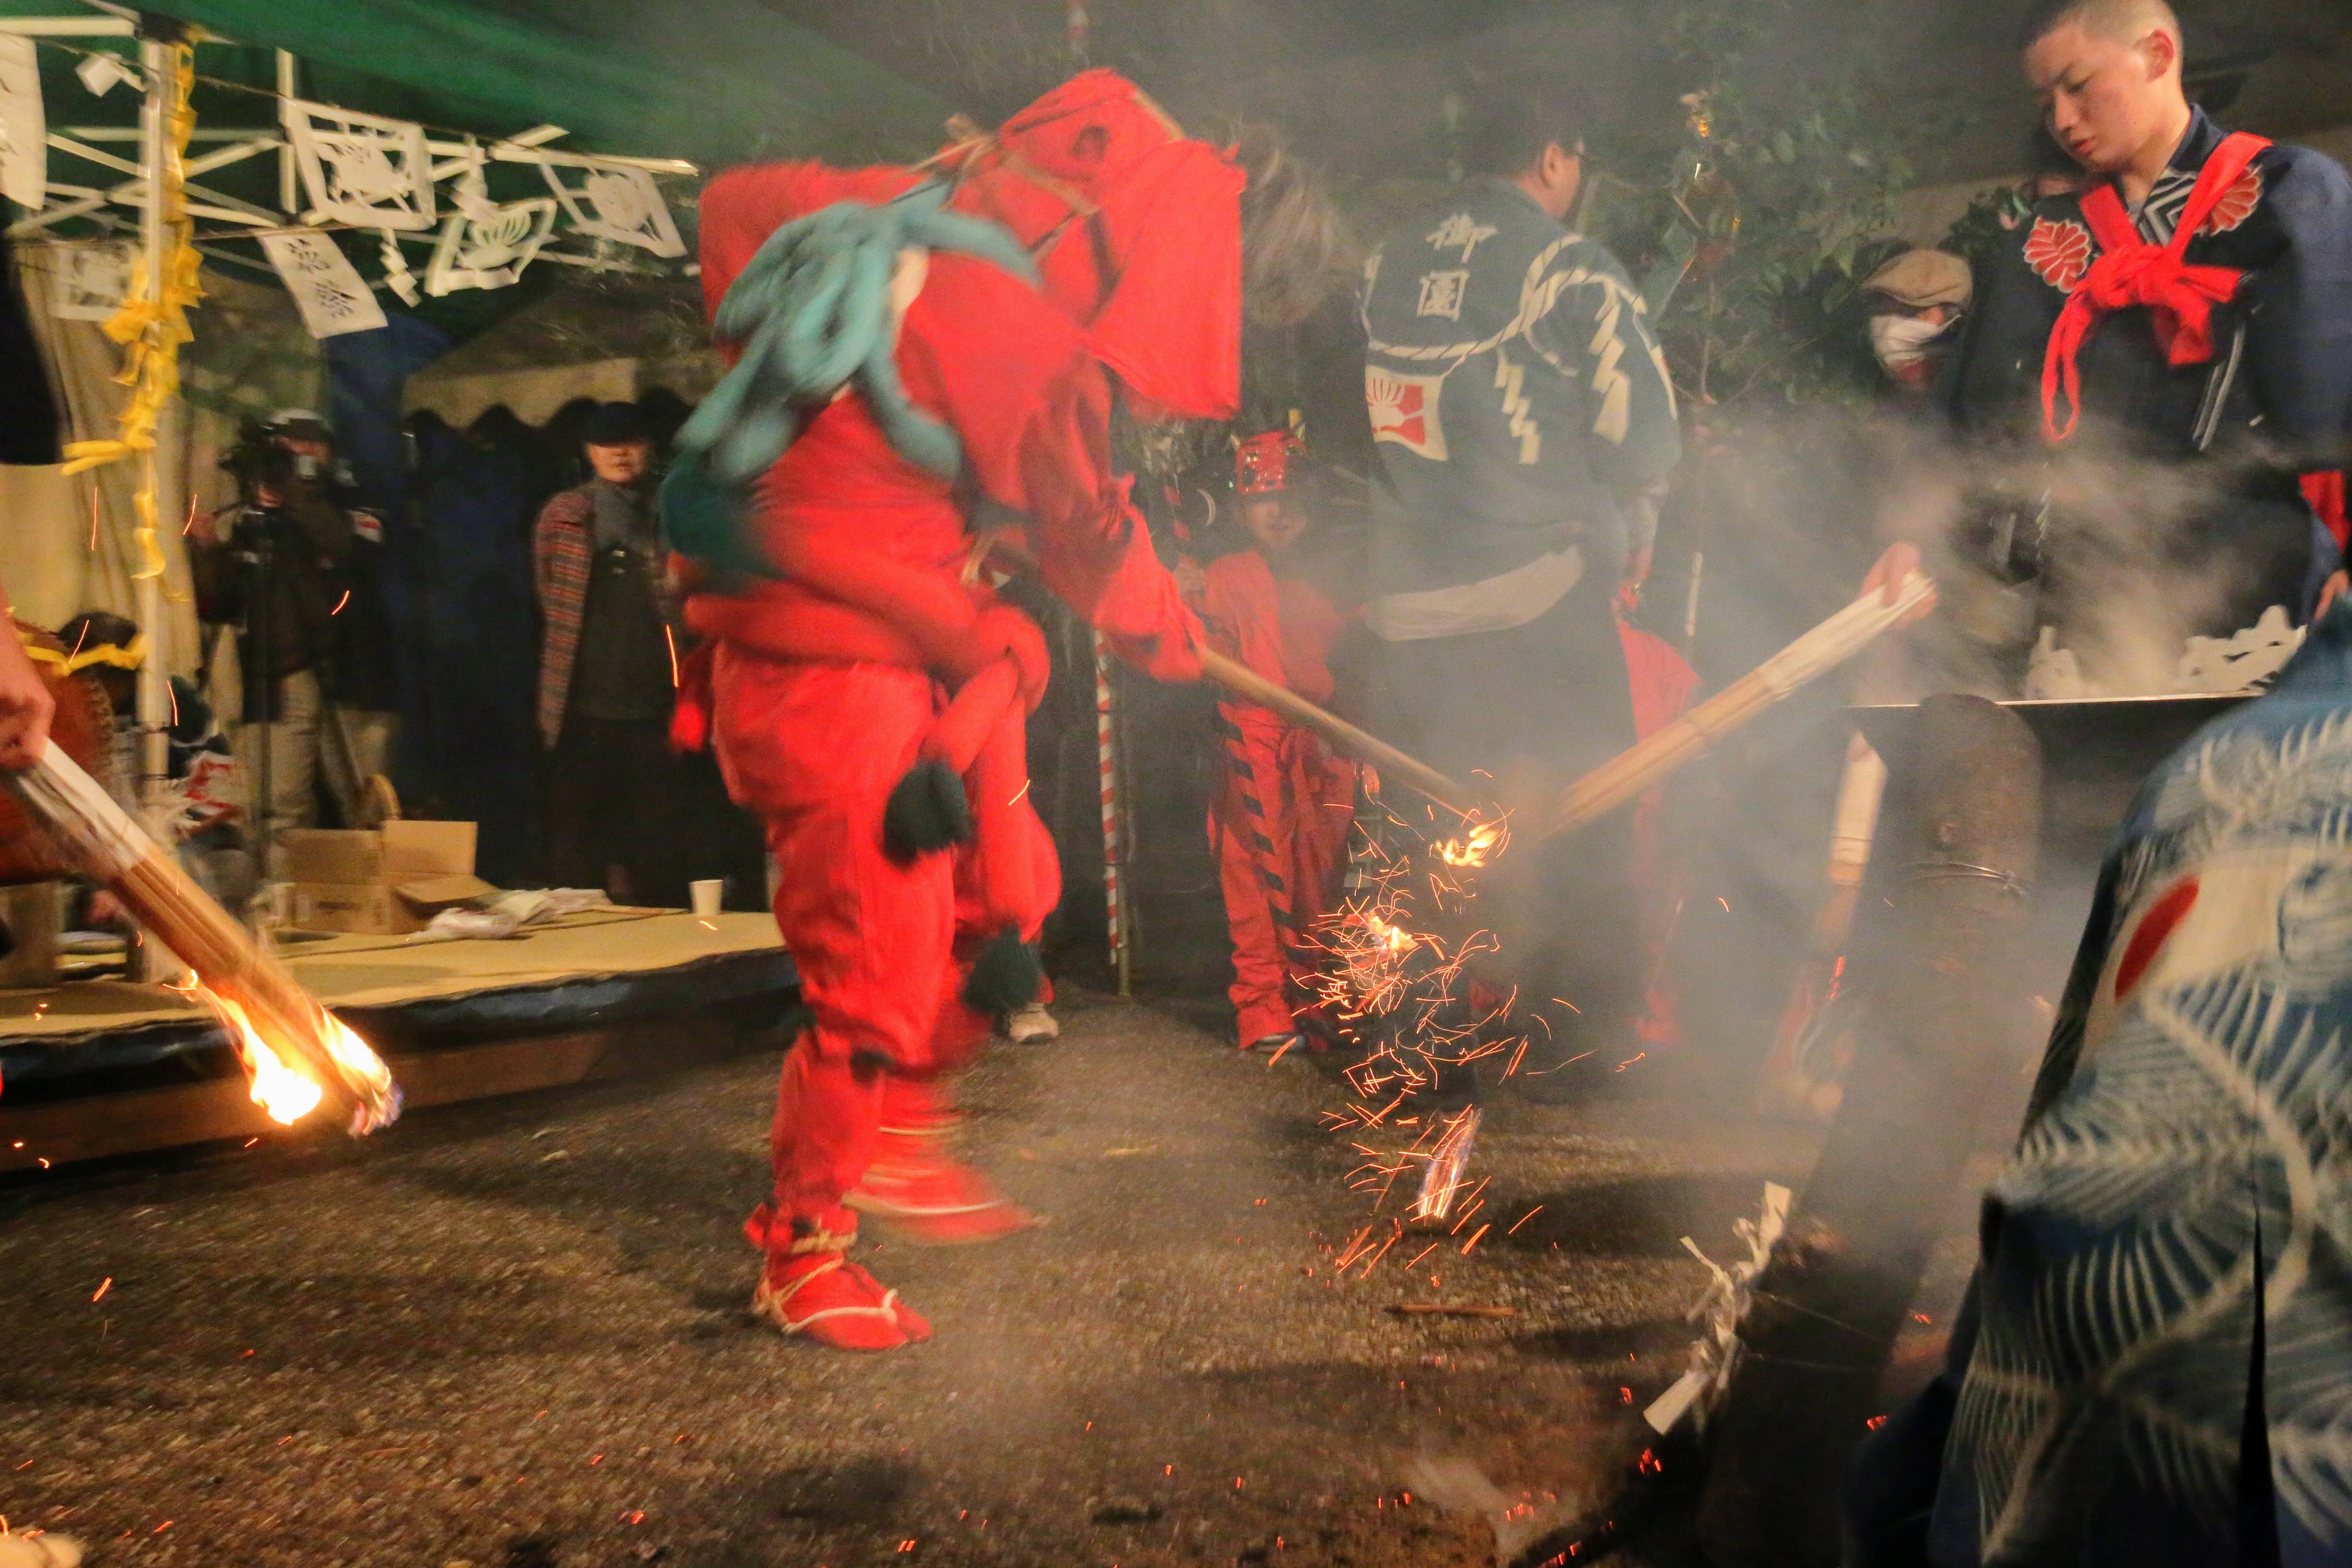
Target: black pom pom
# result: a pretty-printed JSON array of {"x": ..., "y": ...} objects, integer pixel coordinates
[
  {"x": 1005, "y": 976},
  {"x": 926, "y": 812}
]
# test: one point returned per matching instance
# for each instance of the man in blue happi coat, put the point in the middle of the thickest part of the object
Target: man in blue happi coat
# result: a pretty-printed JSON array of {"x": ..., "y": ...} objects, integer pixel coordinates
[{"x": 1524, "y": 420}]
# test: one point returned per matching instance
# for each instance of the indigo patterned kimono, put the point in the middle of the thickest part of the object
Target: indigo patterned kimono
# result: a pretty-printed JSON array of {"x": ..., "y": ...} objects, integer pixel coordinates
[{"x": 2157, "y": 1366}]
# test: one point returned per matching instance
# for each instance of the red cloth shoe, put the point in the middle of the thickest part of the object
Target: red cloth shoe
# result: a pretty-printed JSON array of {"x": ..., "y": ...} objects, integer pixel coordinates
[
  {"x": 809, "y": 1288},
  {"x": 930, "y": 1199}
]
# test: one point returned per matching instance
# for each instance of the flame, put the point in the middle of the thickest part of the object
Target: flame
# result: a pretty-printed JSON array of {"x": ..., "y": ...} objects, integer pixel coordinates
[
  {"x": 281, "y": 1086},
  {"x": 286, "y": 1092},
  {"x": 354, "y": 1054},
  {"x": 1473, "y": 849}
]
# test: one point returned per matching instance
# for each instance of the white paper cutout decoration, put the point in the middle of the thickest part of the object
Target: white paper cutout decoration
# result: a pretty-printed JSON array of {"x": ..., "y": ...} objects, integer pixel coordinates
[
  {"x": 613, "y": 201},
  {"x": 100, "y": 71},
  {"x": 396, "y": 275},
  {"x": 326, "y": 287},
  {"x": 487, "y": 245},
  {"x": 360, "y": 169},
  {"x": 470, "y": 193},
  {"x": 89, "y": 282},
  {"x": 23, "y": 130}
]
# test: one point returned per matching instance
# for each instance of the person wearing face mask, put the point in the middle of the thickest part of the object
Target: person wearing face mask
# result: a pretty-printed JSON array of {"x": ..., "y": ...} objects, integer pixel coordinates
[
  {"x": 1917, "y": 300},
  {"x": 2159, "y": 359},
  {"x": 608, "y": 674}
]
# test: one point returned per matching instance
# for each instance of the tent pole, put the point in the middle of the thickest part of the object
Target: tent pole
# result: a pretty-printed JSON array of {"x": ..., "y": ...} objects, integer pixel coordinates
[
  {"x": 163, "y": 461},
  {"x": 289, "y": 195},
  {"x": 149, "y": 959}
]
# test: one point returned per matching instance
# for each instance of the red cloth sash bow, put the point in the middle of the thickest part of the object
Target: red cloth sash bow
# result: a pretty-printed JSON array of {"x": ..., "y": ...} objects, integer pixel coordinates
[{"x": 2130, "y": 271}]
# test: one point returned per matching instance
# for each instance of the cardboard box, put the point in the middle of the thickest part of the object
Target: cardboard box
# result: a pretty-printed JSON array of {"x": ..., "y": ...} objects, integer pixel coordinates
[
  {"x": 427, "y": 849},
  {"x": 383, "y": 909},
  {"x": 397, "y": 852},
  {"x": 365, "y": 908},
  {"x": 388, "y": 882}
]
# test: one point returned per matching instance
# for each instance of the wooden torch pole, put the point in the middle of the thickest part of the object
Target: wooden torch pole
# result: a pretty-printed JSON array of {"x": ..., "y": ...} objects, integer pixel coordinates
[
  {"x": 1365, "y": 747},
  {"x": 1815, "y": 654}
]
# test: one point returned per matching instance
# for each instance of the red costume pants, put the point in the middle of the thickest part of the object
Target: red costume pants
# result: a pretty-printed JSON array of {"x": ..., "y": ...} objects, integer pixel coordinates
[
  {"x": 1279, "y": 827},
  {"x": 817, "y": 749}
]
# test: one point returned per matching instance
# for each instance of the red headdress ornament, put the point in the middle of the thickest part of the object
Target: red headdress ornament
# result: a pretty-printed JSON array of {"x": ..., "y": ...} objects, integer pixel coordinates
[
  {"x": 1137, "y": 229},
  {"x": 1262, "y": 463}
]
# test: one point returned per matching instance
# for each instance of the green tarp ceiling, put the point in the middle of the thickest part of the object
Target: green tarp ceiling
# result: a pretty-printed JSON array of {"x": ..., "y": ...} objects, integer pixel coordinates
[{"x": 718, "y": 82}]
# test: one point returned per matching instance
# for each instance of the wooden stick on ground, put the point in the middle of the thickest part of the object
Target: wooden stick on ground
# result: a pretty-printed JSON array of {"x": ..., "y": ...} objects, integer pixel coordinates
[
  {"x": 1814, "y": 655},
  {"x": 285, "y": 1021},
  {"x": 1243, "y": 681},
  {"x": 1440, "y": 1310}
]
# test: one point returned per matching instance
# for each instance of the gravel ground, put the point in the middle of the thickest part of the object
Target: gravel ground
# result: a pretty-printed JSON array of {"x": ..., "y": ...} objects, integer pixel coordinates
[{"x": 513, "y": 1334}]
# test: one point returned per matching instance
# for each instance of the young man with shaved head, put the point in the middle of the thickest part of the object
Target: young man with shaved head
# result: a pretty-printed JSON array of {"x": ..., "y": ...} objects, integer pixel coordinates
[
  {"x": 2150, "y": 1367},
  {"x": 2188, "y": 312}
]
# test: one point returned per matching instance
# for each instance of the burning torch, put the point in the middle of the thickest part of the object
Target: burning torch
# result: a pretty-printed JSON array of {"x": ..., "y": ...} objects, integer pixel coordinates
[{"x": 295, "y": 1052}]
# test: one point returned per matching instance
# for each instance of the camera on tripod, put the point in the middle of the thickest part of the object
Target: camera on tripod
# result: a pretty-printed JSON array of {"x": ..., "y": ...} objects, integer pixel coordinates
[{"x": 261, "y": 465}]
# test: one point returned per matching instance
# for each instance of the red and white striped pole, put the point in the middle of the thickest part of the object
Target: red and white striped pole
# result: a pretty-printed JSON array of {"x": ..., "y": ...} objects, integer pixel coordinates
[{"x": 1114, "y": 853}]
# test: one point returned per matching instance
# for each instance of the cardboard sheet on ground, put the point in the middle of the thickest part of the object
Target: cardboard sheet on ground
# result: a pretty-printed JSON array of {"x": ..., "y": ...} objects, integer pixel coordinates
[{"x": 388, "y": 970}]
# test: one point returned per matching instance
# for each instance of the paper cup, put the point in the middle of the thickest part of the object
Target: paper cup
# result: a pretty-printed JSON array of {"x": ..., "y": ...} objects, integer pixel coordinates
[{"x": 705, "y": 896}]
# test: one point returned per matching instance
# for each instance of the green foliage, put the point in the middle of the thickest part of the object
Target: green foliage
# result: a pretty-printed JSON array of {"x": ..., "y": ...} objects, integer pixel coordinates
[{"x": 1773, "y": 191}]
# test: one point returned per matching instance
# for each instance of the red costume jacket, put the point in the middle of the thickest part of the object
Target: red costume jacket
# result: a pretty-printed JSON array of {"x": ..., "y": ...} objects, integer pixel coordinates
[
  {"x": 1013, "y": 374},
  {"x": 1281, "y": 628}
]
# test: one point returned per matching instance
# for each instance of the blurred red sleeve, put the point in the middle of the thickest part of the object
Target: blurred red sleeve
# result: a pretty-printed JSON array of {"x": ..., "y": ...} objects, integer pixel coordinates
[{"x": 1011, "y": 374}]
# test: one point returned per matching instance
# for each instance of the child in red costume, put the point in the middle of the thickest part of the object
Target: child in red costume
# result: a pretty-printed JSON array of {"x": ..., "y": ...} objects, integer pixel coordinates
[
  {"x": 1278, "y": 824},
  {"x": 865, "y": 689}
]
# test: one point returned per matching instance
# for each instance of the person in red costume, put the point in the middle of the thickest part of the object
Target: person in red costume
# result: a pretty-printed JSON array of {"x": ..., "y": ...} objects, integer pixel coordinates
[
  {"x": 865, "y": 687},
  {"x": 1279, "y": 822}
]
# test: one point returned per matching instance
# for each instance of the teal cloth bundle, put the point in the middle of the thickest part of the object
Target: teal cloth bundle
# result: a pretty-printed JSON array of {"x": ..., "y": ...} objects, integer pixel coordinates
[{"x": 812, "y": 314}]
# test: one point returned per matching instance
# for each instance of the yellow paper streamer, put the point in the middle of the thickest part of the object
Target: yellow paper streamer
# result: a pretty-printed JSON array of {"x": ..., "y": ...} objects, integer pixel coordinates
[
  {"x": 129, "y": 657},
  {"x": 152, "y": 330}
]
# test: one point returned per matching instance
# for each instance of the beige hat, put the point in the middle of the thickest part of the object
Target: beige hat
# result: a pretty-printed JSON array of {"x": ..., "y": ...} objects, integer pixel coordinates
[{"x": 1919, "y": 279}]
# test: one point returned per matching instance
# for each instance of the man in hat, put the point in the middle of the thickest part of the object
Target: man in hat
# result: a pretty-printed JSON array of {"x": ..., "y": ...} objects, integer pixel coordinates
[
  {"x": 277, "y": 566},
  {"x": 1917, "y": 299},
  {"x": 868, "y": 689},
  {"x": 607, "y": 673},
  {"x": 2157, "y": 362}
]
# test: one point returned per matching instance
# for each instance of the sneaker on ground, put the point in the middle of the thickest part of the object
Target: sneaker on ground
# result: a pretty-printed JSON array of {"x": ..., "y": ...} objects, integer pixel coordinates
[
  {"x": 1274, "y": 1045},
  {"x": 1030, "y": 1025}
]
